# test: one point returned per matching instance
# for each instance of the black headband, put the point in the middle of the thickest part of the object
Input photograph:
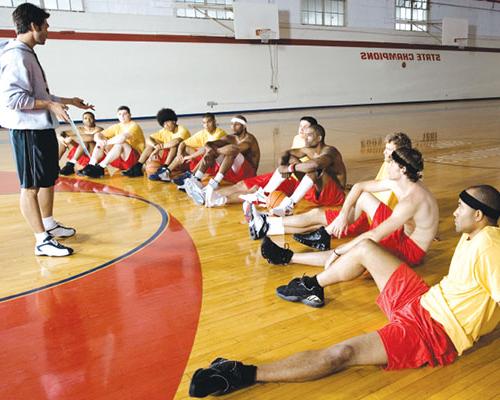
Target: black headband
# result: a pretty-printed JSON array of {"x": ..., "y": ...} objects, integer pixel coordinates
[
  {"x": 478, "y": 205},
  {"x": 403, "y": 163}
]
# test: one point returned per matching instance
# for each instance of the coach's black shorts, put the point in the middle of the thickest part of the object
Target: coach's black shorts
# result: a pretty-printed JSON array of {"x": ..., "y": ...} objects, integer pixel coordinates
[{"x": 37, "y": 157}]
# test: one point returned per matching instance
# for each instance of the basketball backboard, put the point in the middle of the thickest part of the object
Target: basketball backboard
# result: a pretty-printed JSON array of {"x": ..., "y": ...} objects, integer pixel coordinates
[
  {"x": 455, "y": 32},
  {"x": 252, "y": 19}
]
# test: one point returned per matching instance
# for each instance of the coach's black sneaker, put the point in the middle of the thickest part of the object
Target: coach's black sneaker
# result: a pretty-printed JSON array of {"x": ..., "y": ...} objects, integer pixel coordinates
[
  {"x": 318, "y": 239},
  {"x": 134, "y": 171},
  {"x": 275, "y": 254},
  {"x": 222, "y": 377},
  {"x": 68, "y": 169},
  {"x": 303, "y": 290},
  {"x": 60, "y": 231},
  {"x": 96, "y": 171},
  {"x": 52, "y": 248}
]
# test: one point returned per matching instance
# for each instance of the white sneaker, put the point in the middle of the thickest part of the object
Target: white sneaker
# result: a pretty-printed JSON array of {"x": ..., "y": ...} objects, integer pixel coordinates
[
  {"x": 285, "y": 208},
  {"x": 256, "y": 197},
  {"x": 194, "y": 189},
  {"x": 60, "y": 231},
  {"x": 52, "y": 248},
  {"x": 258, "y": 225},
  {"x": 214, "y": 199}
]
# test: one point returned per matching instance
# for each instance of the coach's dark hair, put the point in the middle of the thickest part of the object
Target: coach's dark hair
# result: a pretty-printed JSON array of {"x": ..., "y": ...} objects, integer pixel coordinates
[
  {"x": 166, "y": 114},
  {"x": 488, "y": 195},
  {"x": 209, "y": 116},
  {"x": 412, "y": 160},
  {"x": 311, "y": 120},
  {"x": 399, "y": 139},
  {"x": 320, "y": 131},
  {"x": 28, "y": 13},
  {"x": 124, "y": 108}
]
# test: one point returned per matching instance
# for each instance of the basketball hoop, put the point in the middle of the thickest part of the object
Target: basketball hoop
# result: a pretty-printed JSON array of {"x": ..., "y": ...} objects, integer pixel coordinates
[
  {"x": 264, "y": 34},
  {"x": 460, "y": 42}
]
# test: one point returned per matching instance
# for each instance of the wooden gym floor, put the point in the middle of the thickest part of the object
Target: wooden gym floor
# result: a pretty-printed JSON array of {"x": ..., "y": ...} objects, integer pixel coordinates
[{"x": 159, "y": 287}]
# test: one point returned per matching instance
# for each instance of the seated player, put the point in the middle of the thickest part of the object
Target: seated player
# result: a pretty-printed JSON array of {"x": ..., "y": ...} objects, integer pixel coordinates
[
  {"x": 315, "y": 220},
  {"x": 162, "y": 144},
  {"x": 407, "y": 231},
  {"x": 235, "y": 157},
  {"x": 190, "y": 151},
  {"x": 76, "y": 154},
  {"x": 427, "y": 326},
  {"x": 118, "y": 145},
  {"x": 321, "y": 179},
  {"x": 233, "y": 193}
]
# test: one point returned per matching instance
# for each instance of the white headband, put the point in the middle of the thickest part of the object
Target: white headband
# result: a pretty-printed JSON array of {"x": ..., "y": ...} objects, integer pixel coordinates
[{"x": 239, "y": 121}]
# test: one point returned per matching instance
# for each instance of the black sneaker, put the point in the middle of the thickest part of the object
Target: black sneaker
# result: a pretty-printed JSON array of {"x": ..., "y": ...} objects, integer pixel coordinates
[
  {"x": 84, "y": 170},
  {"x": 318, "y": 239},
  {"x": 134, "y": 171},
  {"x": 222, "y": 377},
  {"x": 275, "y": 254},
  {"x": 297, "y": 290},
  {"x": 96, "y": 171},
  {"x": 179, "y": 181},
  {"x": 68, "y": 169}
]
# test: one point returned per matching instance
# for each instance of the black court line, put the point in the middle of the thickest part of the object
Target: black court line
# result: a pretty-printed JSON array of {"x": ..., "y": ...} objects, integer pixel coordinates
[{"x": 161, "y": 228}]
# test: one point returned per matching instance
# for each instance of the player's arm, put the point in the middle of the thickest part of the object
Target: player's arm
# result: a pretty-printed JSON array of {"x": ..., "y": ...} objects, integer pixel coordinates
[
  {"x": 403, "y": 212},
  {"x": 172, "y": 143},
  {"x": 289, "y": 154},
  {"x": 340, "y": 224},
  {"x": 311, "y": 165}
]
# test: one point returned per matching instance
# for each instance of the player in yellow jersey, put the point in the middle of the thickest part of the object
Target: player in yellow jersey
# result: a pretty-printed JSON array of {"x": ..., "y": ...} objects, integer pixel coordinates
[
  {"x": 161, "y": 144},
  {"x": 76, "y": 154},
  {"x": 120, "y": 145},
  {"x": 427, "y": 326},
  {"x": 191, "y": 151}
]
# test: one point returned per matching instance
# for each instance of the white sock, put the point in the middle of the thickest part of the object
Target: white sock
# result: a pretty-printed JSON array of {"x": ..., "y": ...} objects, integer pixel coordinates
[
  {"x": 219, "y": 177},
  {"x": 276, "y": 180},
  {"x": 199, "y": 175},
  {"x": 305, "y": 184},
  {"x": 49, "y": 222},
  {"x": 213, "y": 184},
  {"x": 276, "y": 226},
  {"x": 103, "y": 164},
  {"x": 40, "y": 237},
  {"x": 72, "y": 161}
]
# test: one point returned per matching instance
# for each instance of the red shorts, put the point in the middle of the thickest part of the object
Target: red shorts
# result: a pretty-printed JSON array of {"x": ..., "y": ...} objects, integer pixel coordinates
[
  {"x": 287, "y": 186},
  {"x": 361, "y": 225},
  {"x": 122, "y": 164},
  {"x": 83, "y": 160},
  {"x": 331, "y": 194},
  {"x": 194, "y": 163},
  {"x": 163, "y": 156},
  {"x": 397, "y": 243},
  {"x": 411, "y": 338},
  {"x": 246, "y": 170}
]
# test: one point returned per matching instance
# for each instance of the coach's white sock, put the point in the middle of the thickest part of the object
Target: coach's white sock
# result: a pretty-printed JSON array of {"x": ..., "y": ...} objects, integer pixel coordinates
[
  {"x": 49, "y": 222},
  {"x": 40, "y": 237},
  {"x": 276, "y": 180},
  {"x": 305, "y": 184},
  {"x": 276, "y": 226}
]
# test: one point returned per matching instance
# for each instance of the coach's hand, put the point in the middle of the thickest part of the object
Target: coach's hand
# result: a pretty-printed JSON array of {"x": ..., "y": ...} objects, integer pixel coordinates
[{"x": 80, "y": 103}]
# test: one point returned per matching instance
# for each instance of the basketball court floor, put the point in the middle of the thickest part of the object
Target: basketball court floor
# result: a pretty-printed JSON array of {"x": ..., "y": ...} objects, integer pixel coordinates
[{"x": 159, "y": 287}]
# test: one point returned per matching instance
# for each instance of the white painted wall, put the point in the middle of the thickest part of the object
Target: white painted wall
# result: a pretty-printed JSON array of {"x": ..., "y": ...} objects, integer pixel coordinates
[{"x": 185, "y": 76}]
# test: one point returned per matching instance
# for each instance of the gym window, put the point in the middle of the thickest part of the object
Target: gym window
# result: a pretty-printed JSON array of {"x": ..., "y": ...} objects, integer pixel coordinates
[
  {"x": 60, "y": 5},
  {"x": 323, "y": 12},
  {"x": 217, "y": 9},
  {"x": 412, "y": 15}
]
